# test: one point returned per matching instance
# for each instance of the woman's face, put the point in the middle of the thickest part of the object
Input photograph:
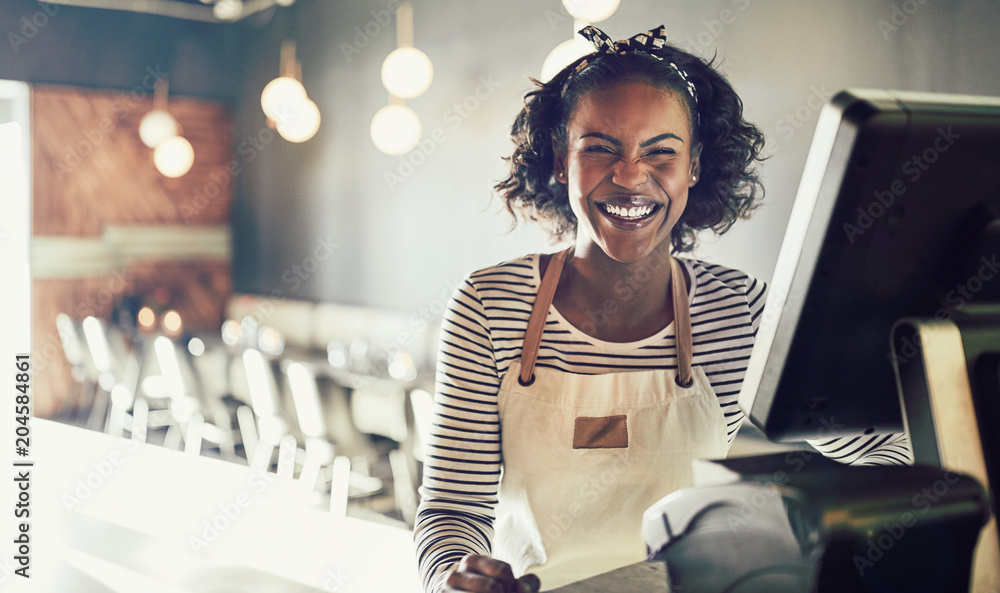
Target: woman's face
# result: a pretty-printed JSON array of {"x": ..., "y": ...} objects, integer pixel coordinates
[{"x": 628, "y": 164}]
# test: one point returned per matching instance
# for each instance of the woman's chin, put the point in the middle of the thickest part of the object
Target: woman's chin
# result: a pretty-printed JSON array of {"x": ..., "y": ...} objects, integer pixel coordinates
[{"x": 628, "y": 252}]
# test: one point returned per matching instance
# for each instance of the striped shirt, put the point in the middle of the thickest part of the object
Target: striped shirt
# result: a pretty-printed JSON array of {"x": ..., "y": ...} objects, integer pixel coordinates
[{"x": 481, "y": 335}]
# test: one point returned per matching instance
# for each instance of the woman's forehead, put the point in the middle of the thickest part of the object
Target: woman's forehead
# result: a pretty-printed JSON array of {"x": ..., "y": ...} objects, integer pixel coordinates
[{"x": 631, "y": 106}]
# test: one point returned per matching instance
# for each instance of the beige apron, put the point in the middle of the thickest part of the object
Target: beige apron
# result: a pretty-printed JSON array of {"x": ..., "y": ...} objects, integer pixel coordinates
[{"x": 585, "y": 455}]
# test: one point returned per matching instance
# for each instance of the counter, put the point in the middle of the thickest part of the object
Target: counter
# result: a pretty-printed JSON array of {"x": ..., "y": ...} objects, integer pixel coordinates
[{"x": 109, "y": 514}]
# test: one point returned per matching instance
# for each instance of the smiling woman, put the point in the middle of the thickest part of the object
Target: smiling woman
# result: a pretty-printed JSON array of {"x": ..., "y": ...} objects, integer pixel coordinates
[
  {"x": 592, "y": 378},
  {"x": 723, "y": 147}
]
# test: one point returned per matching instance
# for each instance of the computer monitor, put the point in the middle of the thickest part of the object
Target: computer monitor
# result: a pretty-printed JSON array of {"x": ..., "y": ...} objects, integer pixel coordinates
[{"x": 897, "y": 215}]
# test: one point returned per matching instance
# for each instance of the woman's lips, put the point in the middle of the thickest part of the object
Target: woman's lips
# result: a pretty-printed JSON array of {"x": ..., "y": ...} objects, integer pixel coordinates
[{"x": 629, "y": 214}]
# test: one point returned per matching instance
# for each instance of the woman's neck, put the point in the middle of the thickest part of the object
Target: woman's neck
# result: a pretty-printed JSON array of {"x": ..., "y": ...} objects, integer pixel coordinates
[{"x": 616, "y": 301}]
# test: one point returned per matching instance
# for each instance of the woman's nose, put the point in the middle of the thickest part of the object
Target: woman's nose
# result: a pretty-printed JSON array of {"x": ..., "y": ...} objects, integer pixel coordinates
[{"x": 628, "y": 173}]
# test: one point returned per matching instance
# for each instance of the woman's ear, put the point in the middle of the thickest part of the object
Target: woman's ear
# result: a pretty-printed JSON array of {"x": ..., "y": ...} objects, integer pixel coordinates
[
  {"x": 558, "y": 162},
  {"x": 695, "y": 165}
]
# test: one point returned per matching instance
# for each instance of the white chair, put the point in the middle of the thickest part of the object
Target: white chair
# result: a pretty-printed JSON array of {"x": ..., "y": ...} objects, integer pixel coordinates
[
  {"x": 117, "y": 367},
  {"x": 209, "y": 367},
  {"x": 81, "y": 366},
  {"x": 320, "y": 457},
  {"x": 265, "y": 402},
  {"x": 311, "y": 423},
  {"x": 180, "y": 385}
]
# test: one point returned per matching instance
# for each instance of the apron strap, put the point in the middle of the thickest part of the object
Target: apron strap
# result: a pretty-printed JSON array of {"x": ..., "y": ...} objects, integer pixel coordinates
[
  {"x": 539, "y": 313},
  {"x": 682, "y": 324},
  {"x": 547, "y": 290}
]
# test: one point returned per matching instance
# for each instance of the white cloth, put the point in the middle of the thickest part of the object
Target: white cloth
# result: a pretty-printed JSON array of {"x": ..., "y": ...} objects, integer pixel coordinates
[{"x": 567, "y": 514}]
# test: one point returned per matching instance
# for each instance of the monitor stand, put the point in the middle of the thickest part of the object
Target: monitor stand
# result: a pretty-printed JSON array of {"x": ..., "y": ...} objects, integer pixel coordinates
[{"x": 932, "y": 360}]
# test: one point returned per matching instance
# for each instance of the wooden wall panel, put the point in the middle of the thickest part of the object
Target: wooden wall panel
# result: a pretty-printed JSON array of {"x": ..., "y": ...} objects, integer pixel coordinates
[{"x": 90, "y": 169}]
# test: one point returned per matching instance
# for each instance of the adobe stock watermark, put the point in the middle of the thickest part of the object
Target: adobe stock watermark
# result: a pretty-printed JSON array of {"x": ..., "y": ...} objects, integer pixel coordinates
[
  {"x": 421, "y": 320},
  {"x": 76, "y": 154},
  {"x": 793, "y": 121},
  {"x": 587, "y": 500},
  {"x": 898, "y": 16},
  {"x": 7, "y": 569},
  {"x": 913, "y": 168},
  {"x": 741, "y": 515},
  {"x": 893, "y": 531},
  {"x": 631, "y": 286},
  {"x": 230, "y": 511},
  {"x": 625, "y": 290},
  {"x": 559, "y": 18},
  {"x": 98, "y": 474},
  {"x": 334, "y": 580},
  {"x": 50, "y": 347},
  {"x": 30, "y": 25},
  {"x": 453, "y": 117},
  {"x": 292, "y": 278},
  {"x": 705, "y": 38},
  {"x": 773, "y": 307},
  {"x": 963, "y": 293},
  {"x": 712, "y": 29},
  {"x": 247, "y": 150},
  {"x": 365, "y": 34}
]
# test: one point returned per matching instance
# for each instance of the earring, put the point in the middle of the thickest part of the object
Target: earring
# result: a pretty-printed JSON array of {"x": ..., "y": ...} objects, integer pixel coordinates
[{"x": 694, "y": 178}]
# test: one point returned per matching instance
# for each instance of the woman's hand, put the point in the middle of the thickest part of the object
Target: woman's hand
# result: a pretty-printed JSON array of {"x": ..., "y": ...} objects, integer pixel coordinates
[{"x": 482, "y": 574}]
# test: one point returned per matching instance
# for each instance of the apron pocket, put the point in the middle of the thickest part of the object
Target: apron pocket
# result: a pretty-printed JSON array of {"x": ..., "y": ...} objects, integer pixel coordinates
[{"x": 609, "y": 432}]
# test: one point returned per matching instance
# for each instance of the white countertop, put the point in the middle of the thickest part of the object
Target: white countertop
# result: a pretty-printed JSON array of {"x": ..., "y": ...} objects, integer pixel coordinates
[{"x": 113, "y": 515}]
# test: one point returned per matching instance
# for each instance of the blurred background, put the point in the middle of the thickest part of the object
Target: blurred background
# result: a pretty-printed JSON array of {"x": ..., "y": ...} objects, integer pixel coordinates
[{"x": 267, "y": 293}]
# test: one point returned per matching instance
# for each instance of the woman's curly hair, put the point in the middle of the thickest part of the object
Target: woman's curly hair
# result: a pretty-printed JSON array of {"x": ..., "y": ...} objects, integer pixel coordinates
[{"x": 729, "y": 188}]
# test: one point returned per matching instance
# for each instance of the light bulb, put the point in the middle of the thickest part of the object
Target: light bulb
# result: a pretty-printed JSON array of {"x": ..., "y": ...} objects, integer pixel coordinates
[
  {"x": 563, "y": 55},
  {"x": 172, "y": 322},
  {"x": 196, "y": 347},
  {"x": 407, "y": 72},
  {"x": 146, "y": 318},
  {"x": 174, "y": 156},
  {"x": 279, "y": 95},
  {"x": 227, "y": 10},
  {"x": 395, "y": 129},
  {"x": 232, "y": 333},
  {"x": 156, "y": 126},
  {"x": 591, "y": 11},
  {"x": 299, "y": 121}
]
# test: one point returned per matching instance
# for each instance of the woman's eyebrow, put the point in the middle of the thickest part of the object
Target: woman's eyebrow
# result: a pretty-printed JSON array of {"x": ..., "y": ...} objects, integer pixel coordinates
[
  {"x": 656, "y": 139},
  {"x": 610, "y": 139},
  {"x": 618, "y": 142}
]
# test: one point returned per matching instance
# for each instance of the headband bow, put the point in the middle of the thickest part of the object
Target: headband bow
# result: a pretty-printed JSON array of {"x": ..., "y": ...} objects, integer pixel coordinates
[
  {"x": 646, "y": 42},
  {"x": 642, "y": 42}
]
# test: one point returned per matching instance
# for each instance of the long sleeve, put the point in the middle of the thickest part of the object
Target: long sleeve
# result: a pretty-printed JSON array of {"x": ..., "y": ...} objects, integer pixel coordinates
[
  {"x": 873, "y": 449},
  {"x": 462, "y": 468}
]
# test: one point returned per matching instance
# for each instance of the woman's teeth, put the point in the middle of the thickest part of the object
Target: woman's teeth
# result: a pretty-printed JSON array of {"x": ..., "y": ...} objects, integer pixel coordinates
[{"x": 633, "y": 213}]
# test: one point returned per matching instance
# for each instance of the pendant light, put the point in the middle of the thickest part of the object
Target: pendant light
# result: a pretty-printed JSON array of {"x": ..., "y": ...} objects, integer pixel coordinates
[
  {"x": 157, "y": 125},
  {"x": 584, "y": 12},
  {"x": 396, "y": 128},
  {"x": 591, "y": 11},
  {"x": 407, "y": 73},
  {"x": 285, "y": 102},
  {"x": 173, "y": 155}
]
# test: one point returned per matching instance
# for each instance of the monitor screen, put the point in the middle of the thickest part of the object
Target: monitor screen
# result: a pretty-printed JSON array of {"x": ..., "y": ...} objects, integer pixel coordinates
[{"x": 897, "y": 215}]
